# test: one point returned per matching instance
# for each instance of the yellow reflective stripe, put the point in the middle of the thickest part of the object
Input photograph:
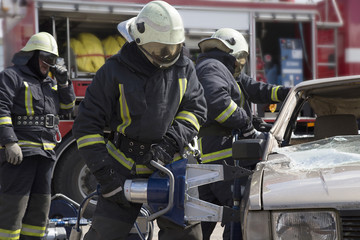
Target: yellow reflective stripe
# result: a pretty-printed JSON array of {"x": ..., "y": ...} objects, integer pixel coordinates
[
  {"x": 67, "y": 106},
  {"x": 274, "y": 95},
  {"x": 31, "y": 230},
  {"x": 55, "y": 87},
  {"x": 24, "y": 143},
  {"x": 90, "y": 140},
  {"x": 227, "y": 112},
  {"x": 242, "y": 97},
  {"x": 182, "y": 87},
  {"x": 5, "y": 120},
  {"x": 46, "y": 146},
  {"x": 49, "y": 146},
  {"x": 124, "y": 111},
  {"x": 190, "y": 117},
  {"x": 9, "y": 234},
  {"x": 215, "y": 156},
  {"x": 28, "y": 100}
]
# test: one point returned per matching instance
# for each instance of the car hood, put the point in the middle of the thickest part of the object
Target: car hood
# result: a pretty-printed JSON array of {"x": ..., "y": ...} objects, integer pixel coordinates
[{"x": 324, "y": 173}]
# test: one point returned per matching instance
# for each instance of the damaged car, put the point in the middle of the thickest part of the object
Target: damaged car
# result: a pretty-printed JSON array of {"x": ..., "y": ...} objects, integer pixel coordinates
[{"x": 306, "y": 186}]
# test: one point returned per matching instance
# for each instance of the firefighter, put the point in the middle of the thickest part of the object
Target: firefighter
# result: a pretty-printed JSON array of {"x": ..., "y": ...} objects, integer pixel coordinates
[
  {"x": 148, "y": 95},
  {"x": 30, "y": 104},
  {"x": 228, "y": 92}
]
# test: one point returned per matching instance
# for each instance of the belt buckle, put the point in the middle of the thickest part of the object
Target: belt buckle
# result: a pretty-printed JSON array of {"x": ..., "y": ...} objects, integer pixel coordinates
[{"x": 50, "y": 120}]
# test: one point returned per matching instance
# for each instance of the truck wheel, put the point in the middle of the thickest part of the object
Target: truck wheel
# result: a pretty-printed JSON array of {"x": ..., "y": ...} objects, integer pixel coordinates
[{"x": 73, "y": 179}]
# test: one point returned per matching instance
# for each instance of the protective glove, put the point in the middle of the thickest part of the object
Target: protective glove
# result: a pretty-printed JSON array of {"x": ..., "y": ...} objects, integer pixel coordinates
[
  {"x": 162, "y": 152},
  {"x": 13, "y": 153},
  {"x": 249, "y": 132},
  {"x": 282, "y": 93},
  {"x": 260, "y": 125},
  {"x": 60, "y": 73},
  {"x": 112, "y": 185}
]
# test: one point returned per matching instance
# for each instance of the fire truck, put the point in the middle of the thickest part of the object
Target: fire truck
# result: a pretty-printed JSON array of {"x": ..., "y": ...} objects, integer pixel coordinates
[{"x": 326, "y": 31}]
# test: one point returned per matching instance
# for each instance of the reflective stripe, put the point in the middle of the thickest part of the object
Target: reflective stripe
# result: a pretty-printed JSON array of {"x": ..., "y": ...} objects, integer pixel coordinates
[
  {"x": 227, "y": 112},
  {"x": 182, "y": 86},
  {"x": 125, "y": 161},
  {"x": 274, "y": 95},
  {"x": 90, "y": 140},
  {"x": 9, "y": 234},
  {"x": 55, "y": 87},
  {"x": 124, "y": 111},
  {"x": 215, "y": 156},
  {"x": 5, "y": 120},
  {"x": 46, "y": 146},
  {"x": 67, "y": 106},
  {"x": 49, "y": 146},
  {"x": 28, "y": 100},
  {"x": 242, "y": 97},
  {"x": 31, "y": 230},
  {"x": 190, "y": 117}
]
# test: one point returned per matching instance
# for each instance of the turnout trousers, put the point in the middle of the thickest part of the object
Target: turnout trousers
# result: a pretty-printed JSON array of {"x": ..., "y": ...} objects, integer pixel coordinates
[{"x": 25, "y": 196}]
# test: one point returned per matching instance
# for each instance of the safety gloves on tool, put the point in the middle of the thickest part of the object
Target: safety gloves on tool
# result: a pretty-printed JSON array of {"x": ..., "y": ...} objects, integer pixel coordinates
[
  {"x": 282, "y": 93},
  {"x": 13, "y": 153},
  {"x": 162, "y": 152},
  {"x": 112, "y": 185},
  {"x": 249, "y": 132},
  {"x": 60, "y": 73}
]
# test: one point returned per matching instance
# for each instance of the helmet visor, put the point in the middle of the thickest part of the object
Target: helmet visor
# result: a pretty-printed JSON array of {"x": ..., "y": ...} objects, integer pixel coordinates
[
  {"x": 47, "y": 58},
  {"x": 161, "y": 54}
]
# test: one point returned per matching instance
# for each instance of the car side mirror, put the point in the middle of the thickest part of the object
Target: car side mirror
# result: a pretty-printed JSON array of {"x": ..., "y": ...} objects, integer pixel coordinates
[{"x": 248, "y": 151}]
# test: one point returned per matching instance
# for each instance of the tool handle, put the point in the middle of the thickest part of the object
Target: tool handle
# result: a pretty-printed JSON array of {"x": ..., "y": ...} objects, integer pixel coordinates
[{"x": 171, "y": 190}]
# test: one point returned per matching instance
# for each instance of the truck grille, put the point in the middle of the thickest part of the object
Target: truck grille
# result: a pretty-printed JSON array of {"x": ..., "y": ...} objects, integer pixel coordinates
[{"x": 350, "y": 223}]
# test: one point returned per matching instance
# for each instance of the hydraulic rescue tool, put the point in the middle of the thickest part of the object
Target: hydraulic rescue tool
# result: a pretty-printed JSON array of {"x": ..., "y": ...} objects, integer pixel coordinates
[{"x": 170, "y": 191}]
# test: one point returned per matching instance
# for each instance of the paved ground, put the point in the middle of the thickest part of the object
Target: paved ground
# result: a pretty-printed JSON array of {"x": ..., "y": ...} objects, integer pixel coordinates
[{"x": 217, "y": 234}]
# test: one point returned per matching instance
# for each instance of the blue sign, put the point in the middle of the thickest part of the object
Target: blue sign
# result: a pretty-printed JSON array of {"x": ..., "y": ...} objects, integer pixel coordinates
[{"x": 291, "y": 61}]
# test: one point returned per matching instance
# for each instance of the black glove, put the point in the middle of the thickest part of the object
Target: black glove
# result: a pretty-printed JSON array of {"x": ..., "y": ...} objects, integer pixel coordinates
[
  {"x": 260, "y": 125},
  {"x": 112, "y": 185},
  {"x": 60, "y": 73},
  {"x": 282, "y": 93},
  {"x": 162, "y": 152},
  {"x": 249, "y": 132}
]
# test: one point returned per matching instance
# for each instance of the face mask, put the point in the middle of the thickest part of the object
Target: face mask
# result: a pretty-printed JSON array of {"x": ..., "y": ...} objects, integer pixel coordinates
[
  {"x": 239, "y": 63},
  {"x": 161, "y": 55}
]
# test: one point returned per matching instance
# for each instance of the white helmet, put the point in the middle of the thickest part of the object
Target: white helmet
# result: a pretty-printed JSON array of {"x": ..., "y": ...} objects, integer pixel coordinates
[
  {"x": 42, "y": 41},
  {"x": 159, "y": 32},
  {"x": 157, "y": 22},
  {"x": 227, "y": 40}
]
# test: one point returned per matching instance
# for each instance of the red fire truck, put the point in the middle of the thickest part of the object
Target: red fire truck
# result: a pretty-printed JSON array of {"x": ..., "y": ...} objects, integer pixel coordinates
[{"x": 326, "y": 30}]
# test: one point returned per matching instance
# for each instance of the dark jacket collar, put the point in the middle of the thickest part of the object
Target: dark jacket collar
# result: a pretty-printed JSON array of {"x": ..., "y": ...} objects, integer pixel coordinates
[{"x": 223, "y": 57}]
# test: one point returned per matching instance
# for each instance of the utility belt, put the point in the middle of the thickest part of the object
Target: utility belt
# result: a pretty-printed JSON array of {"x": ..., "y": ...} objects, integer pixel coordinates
[
  {"x": 214, "y": 130},
  {"x": 48, "y": 120},
  {"x": 130, "y": 147}
]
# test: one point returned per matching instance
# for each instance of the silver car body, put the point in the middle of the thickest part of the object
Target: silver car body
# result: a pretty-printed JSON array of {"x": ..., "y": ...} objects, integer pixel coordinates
[{"x": 316, "y": 175}]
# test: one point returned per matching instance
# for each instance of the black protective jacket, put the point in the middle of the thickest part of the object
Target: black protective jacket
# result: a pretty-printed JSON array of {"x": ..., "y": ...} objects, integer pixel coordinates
[
  {"x": 228, "y": 101},
  {"x": 22, "y": 93},
  {"x": 132, "y": 97}
]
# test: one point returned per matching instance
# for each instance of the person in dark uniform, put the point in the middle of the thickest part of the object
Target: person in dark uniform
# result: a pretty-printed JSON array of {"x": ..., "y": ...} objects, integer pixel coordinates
[
  {"x": 30, "y": 103},
  {"x": 150, "y": 98},
  {"x": 228, "y": 93}
]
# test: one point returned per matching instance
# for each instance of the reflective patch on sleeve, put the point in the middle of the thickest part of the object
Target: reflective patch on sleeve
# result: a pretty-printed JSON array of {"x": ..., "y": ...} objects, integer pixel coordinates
[
  {"x": 190, "y": 117},
  {"x": 5, "y": 120},
  {"x": 227, "y": 112},
  {"x": 274, "y": 95},
  {"x": 90, "y": 140}
]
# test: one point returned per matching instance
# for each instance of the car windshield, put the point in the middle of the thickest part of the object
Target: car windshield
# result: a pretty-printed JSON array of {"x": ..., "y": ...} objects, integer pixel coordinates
[{"x": 329, "y": 152}]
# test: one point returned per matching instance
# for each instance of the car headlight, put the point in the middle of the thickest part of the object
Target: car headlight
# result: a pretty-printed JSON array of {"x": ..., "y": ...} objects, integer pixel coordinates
[{"x": 315, "y": 225}]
